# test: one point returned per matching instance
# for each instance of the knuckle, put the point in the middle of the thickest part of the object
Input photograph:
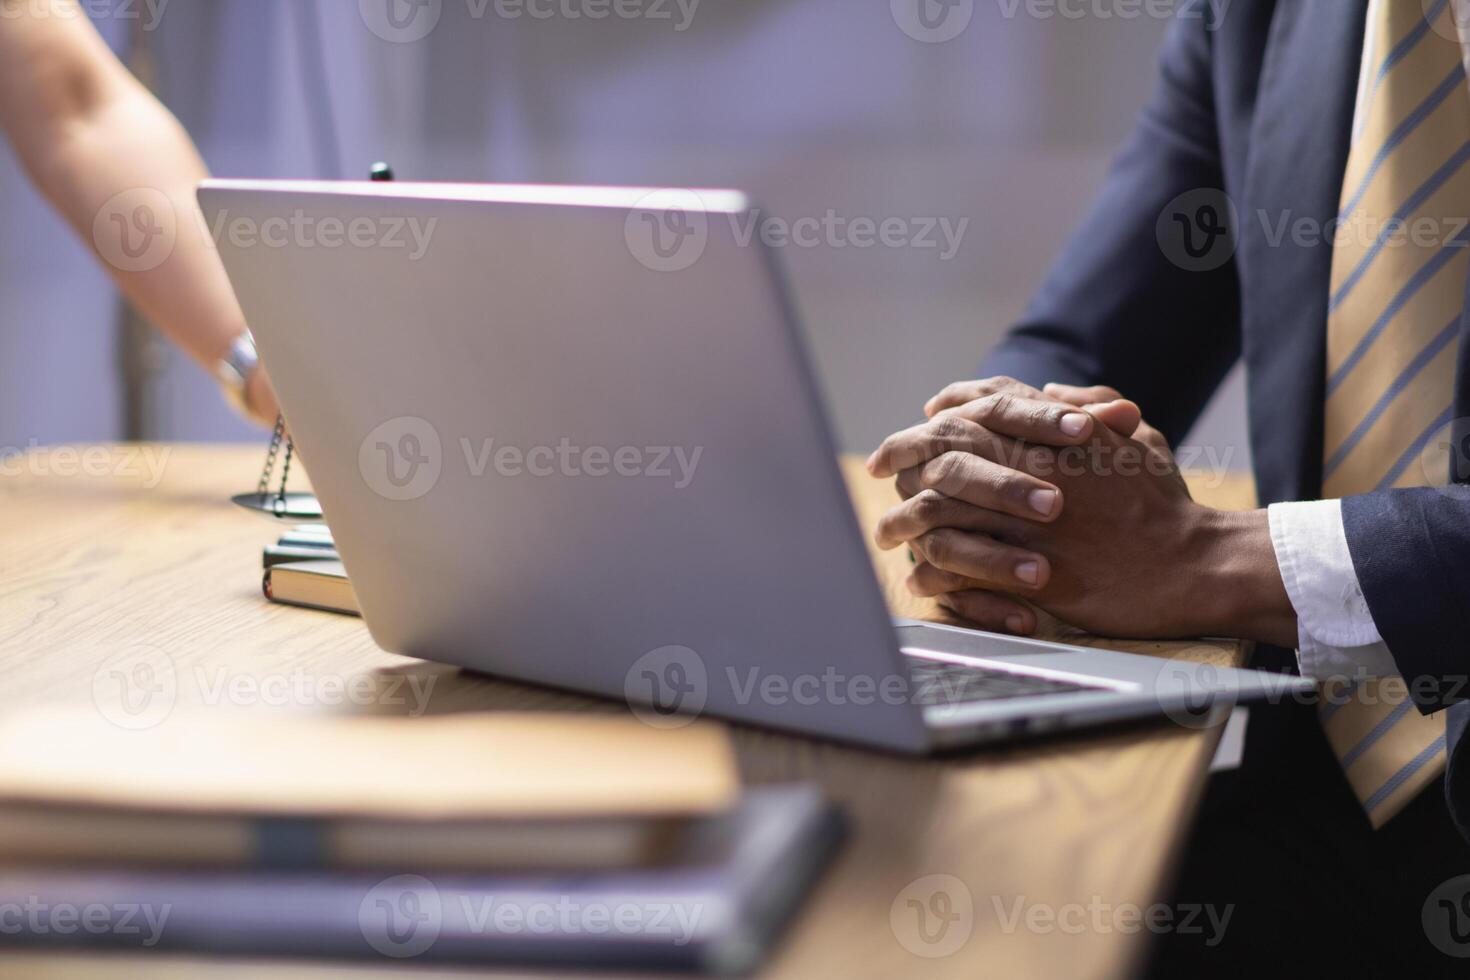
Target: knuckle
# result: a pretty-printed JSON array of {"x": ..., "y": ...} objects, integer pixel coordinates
[
  {"x": 948, "y": 426},
  {"x": 957, "y": 391},
  {"x": 928, "y": 507},
  {"x": 999, "y": 480},
  {"x": 994, "y": 405},
  {"x": 999, "y": 382},
  {"x": 1147, "y": 433},
  {"x": 946, "y": 472},
  {"x": 949, "y": 431},
  {"x": 1031, "y": 410},
  {"x": 937, "y": 547}
]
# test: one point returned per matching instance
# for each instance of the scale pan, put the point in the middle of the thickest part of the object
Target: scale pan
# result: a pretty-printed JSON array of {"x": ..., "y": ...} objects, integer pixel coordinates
[{"x": 283, "y": 507}]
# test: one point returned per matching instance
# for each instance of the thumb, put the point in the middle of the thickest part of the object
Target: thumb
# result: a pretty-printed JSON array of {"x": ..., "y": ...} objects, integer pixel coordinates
[{"x": 1120, "y": 415}]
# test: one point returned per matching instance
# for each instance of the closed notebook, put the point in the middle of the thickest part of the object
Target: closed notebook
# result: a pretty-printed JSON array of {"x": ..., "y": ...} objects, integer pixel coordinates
[
  {"x": 305, "y": 542},
  {"x": 318, "y": 535},
  {"x": 286, "y": 554},
  {"x": 314, "y": 584},
  {"x": 458, "y": 792}
]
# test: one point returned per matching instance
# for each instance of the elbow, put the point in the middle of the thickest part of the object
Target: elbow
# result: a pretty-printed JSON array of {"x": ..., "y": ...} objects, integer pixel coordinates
[
  {"x": 67, "y": 104},
  {"x": 64, "y": 96},
  {"x": 69, "y": 94}
]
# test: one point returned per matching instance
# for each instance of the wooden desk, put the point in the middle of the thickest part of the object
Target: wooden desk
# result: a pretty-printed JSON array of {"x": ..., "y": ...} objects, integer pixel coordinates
[{"x": 121, "y": 546}]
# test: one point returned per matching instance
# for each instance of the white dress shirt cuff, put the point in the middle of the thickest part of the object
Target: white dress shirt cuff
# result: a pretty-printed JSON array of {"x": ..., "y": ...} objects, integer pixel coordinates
[{"x": 1336, "y": 635}]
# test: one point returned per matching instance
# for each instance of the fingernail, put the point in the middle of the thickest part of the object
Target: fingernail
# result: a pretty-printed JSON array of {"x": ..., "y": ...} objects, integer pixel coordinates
[
  {"x": 1042, "y": 501},
  {"x": 1028, "y": 572},
  {"x": 1073, "y": 423},
  {"x": 1016, "y": 623}
]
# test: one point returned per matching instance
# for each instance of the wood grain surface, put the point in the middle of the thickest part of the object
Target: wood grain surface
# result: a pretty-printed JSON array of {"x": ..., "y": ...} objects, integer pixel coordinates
[{"x": 127, "y": 551}]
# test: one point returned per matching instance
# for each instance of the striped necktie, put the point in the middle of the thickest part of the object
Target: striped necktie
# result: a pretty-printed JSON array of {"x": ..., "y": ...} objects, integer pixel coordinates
[{"x": 1399, "y": 268}]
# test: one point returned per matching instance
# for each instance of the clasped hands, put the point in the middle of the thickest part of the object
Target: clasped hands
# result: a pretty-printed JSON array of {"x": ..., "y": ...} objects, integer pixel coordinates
[{"x": 1064, "y": 499}]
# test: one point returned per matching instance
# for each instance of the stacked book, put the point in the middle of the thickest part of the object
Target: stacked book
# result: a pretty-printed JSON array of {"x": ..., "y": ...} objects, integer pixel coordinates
[
  {"x": 552, "y": 840},
  {"x": 304, "y": 569}
]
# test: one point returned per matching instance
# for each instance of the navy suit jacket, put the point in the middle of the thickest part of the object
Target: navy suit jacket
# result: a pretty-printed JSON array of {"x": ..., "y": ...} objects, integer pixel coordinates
[{"x": 1258, "y": 103}]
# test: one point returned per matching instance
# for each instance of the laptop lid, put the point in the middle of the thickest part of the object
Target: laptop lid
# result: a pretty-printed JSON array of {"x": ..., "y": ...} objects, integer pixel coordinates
[{"x": 570, "y": 435}]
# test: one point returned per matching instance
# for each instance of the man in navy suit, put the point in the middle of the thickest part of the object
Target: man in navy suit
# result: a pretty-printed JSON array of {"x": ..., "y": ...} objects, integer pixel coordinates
[{"x": 1297, "y": 193}]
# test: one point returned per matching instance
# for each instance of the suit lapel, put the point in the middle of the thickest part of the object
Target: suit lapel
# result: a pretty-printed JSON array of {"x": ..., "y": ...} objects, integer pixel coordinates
[{"x": 1298, "y": 151}]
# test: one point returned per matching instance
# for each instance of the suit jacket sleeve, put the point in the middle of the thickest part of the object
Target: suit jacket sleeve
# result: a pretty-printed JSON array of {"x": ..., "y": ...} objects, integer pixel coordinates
[
  {"x": 1411, "y": 550},
  {"x": 1114, "y": 308}
]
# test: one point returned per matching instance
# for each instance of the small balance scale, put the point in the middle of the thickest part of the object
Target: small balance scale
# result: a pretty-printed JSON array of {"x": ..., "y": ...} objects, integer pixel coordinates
[{"x": 280, "y": 503}]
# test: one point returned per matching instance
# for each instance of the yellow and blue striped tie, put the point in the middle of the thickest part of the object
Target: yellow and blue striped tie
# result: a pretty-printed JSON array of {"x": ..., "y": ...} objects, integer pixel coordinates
[{"x": 1399, "y": 269}]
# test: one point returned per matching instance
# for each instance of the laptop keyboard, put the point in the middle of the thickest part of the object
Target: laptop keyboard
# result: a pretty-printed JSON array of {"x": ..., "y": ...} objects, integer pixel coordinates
[{"x": 943, "y": 682}]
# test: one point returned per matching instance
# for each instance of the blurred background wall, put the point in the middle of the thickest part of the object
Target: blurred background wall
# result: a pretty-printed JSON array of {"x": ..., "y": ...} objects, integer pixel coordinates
[{"x": 815, "y": 106}]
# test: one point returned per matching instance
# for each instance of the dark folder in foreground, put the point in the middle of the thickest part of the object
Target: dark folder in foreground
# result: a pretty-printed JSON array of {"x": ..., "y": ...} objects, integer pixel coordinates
[{"x": 733, "y": 882}]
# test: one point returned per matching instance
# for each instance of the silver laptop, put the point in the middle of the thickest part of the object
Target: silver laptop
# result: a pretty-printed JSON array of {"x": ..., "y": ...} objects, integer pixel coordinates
[{"x": 569, "y": 435}]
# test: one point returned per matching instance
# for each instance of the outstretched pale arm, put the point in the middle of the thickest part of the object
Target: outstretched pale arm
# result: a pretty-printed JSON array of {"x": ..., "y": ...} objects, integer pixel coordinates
[{"x": 122, "y": 171}]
